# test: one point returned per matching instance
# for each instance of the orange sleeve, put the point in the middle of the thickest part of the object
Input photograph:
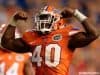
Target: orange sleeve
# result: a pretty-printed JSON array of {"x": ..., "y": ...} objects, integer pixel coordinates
[
  {"x": 29, "y": 37},
  {"x": 74, "y": 30}
]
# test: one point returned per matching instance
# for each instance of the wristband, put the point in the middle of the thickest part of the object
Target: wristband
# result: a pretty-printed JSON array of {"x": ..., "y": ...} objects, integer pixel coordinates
[{"x": 81, "y": 17}]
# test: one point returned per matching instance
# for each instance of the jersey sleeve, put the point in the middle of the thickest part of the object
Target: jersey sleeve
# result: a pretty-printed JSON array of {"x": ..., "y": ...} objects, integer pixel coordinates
[
  {"x": 74, "y": 31},
  {"x": 29, "y": 37},
  {"x": 17, "y": 34}
]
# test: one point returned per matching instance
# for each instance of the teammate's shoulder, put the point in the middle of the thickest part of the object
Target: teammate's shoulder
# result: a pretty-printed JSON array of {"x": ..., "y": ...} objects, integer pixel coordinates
[{"x": 29, "y": 54}]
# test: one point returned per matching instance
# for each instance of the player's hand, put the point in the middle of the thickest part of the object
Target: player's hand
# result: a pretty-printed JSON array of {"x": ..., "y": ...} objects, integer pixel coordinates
[
  {"x": 67, "y": 12},
  {"x": 21, "y": 15}
]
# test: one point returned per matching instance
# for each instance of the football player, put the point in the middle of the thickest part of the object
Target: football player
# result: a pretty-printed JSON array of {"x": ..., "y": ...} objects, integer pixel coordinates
[
  {"x": 12, "y": 63},
  {"x": 53, "y": 41}
]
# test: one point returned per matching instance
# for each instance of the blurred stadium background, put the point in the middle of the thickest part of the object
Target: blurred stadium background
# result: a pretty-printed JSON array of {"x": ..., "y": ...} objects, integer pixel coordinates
[{"x": 86, "y": 59}]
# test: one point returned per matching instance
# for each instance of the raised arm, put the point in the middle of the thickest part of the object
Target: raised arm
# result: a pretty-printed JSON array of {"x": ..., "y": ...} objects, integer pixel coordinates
[
  {"x": 8, "y": 40},
  {"x": 80, "y": 39}
]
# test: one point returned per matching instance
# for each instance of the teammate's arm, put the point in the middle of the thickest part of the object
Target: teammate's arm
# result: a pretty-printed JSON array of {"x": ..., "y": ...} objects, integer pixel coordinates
[
  {"x": 8, "y": 39},
  {"x": 82, "y": 38},
  {"x": 29, "y": 69}
]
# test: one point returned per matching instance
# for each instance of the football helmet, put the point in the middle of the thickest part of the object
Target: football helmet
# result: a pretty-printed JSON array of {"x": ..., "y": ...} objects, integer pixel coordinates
[{"x": 46, "y": 18}]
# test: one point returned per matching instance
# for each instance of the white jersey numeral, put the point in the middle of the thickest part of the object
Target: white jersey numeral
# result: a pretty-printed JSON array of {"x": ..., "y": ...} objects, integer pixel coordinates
[
  {"x": 13, "y": 70},
  {"x": 2, "y": 68},
  {"x": 56, "y": 55},
  {"x": 36, "y": 55},
  {"x": 48, "y": 50}
]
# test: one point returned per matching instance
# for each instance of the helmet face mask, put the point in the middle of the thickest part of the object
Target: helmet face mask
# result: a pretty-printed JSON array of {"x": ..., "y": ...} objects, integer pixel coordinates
[{"x": 44, "y": 21}]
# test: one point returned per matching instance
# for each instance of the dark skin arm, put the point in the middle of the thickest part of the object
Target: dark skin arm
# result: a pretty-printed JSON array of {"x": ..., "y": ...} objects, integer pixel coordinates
[
  {"x": 80, "y": 39},
  {"x": 29, "y": 69},
  {"x": 8, "y": 41}
]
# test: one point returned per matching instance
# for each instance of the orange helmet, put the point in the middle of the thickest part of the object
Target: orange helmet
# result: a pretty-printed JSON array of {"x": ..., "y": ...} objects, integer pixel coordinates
[{"x": 46, "y": 19}]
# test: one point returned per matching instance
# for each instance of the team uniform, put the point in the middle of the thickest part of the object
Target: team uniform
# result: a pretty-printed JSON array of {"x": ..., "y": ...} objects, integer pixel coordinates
[
  {"x": 12, "y": 63},
  {"x": 50, "y": 52},
  {"x": 52, "y": 41}
]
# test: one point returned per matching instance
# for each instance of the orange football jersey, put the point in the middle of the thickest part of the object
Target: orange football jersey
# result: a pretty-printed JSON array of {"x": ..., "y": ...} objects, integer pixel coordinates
[
  {"x": 50, "y": 52},
  {"x": 12, "y": 63}
]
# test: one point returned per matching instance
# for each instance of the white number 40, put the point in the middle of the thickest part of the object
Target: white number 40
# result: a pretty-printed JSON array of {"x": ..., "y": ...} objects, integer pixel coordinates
[{"x": 48, "y": 49}]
